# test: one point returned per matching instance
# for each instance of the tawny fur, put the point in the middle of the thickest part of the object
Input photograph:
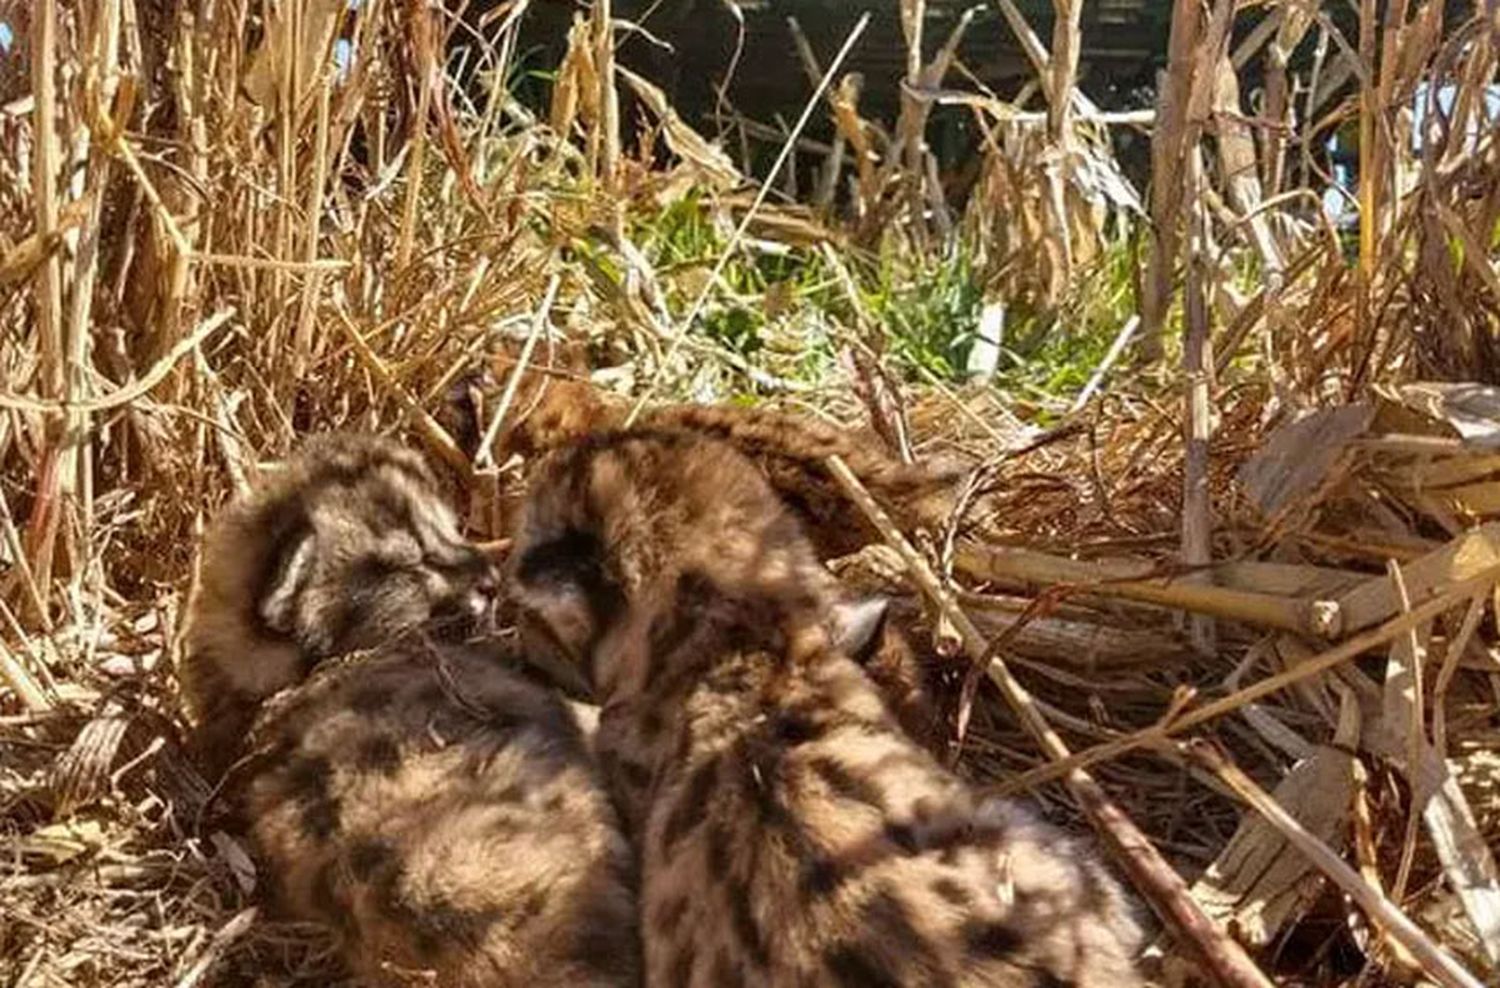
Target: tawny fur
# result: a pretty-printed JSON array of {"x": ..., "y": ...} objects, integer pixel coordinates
[
  {"x": 346, "y": 546},
  {"x": 444, "y": 816},
  {"x": 790, "y": 832},
  {"x": 414, "y": 792},
  {"x": 555, "y": 406}
]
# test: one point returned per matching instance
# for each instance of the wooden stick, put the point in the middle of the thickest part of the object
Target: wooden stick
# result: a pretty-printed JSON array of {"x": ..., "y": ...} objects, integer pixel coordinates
[
  {"x": 1220, "y": 956},
  {"x": 1123, "y": 337},
  {"x": 1136, "y": 581},
  {"x": 1436, "y": 962}
]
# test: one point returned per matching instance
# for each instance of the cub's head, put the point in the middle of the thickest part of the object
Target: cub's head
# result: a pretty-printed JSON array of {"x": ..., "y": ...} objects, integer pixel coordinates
[
  {"x": 618, "y": 528},
  {"x": 348, "y": 546}
]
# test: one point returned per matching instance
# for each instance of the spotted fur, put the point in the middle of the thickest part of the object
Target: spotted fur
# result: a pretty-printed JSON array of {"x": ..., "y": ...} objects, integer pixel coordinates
[
  {"x": 790, "y": 832},
  {"x": 347, "y": 546},
  {"x": 411, "y": 790},
  {"x": 554, "y": 406},
  {"x": 443, "y": 814}
]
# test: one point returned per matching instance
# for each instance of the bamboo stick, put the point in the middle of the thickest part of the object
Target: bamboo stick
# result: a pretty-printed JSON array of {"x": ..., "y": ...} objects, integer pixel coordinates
[
  {"x": 43, "y": 524},
  {"x": 1197, "y": 419},
  {"x": 1138, "y": 581}
]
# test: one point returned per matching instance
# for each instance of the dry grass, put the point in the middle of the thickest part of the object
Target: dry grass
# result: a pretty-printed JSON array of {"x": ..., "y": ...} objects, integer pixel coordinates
[{"x": 210, "y": 243}]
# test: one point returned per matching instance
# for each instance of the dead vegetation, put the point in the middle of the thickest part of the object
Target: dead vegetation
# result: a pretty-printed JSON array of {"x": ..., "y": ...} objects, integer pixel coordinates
[{"x": 1247, "y": 585}]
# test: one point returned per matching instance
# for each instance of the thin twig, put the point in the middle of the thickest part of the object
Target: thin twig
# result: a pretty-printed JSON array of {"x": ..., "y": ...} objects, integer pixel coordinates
[
  {"x": 129, "y": 392},
  {"x": 485, "y": 456},
  {"x": 739, "y": 231},
  {"x": 1416, "y": 734}
]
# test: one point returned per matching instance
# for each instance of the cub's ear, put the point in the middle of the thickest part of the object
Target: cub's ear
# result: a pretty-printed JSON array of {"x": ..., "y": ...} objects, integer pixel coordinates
[
  {"x": 857, "y": 626},
  {"x": 290, "y": 572}
]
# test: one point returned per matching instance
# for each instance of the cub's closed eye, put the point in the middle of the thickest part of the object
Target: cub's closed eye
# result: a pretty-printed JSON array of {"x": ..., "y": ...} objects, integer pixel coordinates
[
  {"x": 573, "y": 556},
  {"x": 374, "y": 567},
  {"x": 471, "y": 564}
]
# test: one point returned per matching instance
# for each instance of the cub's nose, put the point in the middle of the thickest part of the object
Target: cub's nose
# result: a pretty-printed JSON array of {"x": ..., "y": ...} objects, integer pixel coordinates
[
  {"x": 483, "y": 594},
  {"x": 488, "y": 584}
]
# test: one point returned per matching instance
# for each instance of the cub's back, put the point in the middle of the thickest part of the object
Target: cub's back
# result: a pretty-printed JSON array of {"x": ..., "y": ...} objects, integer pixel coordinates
[
  {"x": 443, "y": 814},
  {"x": 806, "y": 839}
]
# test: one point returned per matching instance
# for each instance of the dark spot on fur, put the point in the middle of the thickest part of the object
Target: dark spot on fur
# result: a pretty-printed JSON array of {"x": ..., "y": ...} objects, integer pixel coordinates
[
  {"x": 606, "y": 941},
  {"x": 651, "y": 726},
  {"x": 554, "y": 802},
  {"x": 682, "y": 966},
  {"x": 324, "y": 895},
  {"x": 759, "y": 770},
  {"x": 320, "y": 820},
  {"x": 887, "y": 919},
  {"x": 952, "y": 892},
  {"x": 379, "y": 754},
  {"x": 668, "y": 913},
  {"x": 995, "y": 941},
  {"x": 562, "y": 558},
  {"x": 851, "y": 965},
  {"x": 284, "y": 527},
  {"x": 307, "y": 784},
  {"x": 637, "y": 776},
  {"x": 343, "y": 629},
  {"x": 437, "y": 924},
  {"x": 368, "y": 855},
  {"x": 533, "y": 899},
  {"x": 307, "y": 779},
  {"x": 727, "y": 973},
  {"x": 672, "y": 627},
  {"x": 903, "y": 836},
  {"x": 886, "y": 914},
  {"x": 747, "y": 931},
  {"x": 820, "y": 877},
  {"x": 846, "y": 784},
  {"x": 512, "y": 793},
  {"x": 794, "y": 727},
  {"x": 507, "y": 824},
  {"x": 691, "y": 805},
  {"x": 718, "y": 852},
  {"x": 576, "y": 559},
  {"x": 371, "y": 698}
]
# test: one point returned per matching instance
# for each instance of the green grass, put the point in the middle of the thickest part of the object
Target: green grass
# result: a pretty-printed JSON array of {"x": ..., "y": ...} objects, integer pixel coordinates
[{"x": 769, "y": 307}]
